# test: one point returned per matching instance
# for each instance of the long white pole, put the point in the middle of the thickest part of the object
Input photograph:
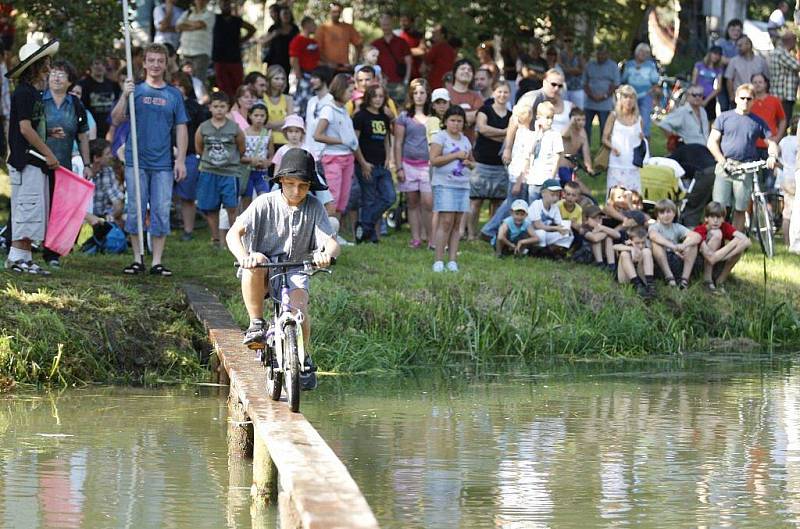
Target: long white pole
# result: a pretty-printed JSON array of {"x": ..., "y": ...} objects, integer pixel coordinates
[{"x": 132, "y": 135}]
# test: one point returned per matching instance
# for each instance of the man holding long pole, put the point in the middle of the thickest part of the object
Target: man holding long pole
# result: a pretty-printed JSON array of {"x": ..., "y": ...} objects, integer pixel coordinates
[{"x": 159, "y": 110}]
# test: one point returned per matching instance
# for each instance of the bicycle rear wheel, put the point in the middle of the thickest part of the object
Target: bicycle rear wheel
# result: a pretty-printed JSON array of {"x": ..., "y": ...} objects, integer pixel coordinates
[
  {"x": 762, "y": 223},
  {"x": 292, "y": 368}
]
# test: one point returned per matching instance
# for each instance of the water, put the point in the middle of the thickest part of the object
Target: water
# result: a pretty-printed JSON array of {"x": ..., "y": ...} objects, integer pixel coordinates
[{"x": 706, "y": 443}]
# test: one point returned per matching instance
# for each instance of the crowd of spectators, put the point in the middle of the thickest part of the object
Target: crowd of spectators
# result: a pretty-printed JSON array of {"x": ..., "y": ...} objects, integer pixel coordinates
[{"x": 412, "y": 115}]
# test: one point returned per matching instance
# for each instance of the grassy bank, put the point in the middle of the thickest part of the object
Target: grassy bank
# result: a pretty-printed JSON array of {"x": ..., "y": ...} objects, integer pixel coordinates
[{"x": 383, "y": 309}]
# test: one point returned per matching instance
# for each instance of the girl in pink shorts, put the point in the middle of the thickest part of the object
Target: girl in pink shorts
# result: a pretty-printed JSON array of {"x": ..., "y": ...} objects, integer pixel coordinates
[
  {"x": 412, "y": 159},
  {"x": 335, "y": 130}
]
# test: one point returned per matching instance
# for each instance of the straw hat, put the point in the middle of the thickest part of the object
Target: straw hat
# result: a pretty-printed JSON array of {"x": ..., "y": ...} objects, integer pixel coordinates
[{"x": 29, "y": 54}]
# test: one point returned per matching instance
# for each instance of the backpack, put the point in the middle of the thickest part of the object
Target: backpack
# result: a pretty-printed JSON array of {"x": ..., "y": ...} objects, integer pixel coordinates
[{"x": 113, "y": 240}]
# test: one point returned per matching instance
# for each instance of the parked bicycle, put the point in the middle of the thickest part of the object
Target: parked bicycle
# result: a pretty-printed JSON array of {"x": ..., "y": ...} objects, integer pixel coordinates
[
  {"x": 282, "y": 351},
  {"x": 761, "y": 222}
]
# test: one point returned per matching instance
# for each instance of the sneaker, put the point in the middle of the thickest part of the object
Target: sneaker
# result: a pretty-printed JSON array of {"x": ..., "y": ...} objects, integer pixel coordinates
[
  {"x": 438, "y": 266},
  {"x": 255, "y": 335},
  {"x": 359, "y": 234},
  {"x": 415, "y": 243},
  {"x": 308, "y": 377},
  {"x": 452, "y": 266},
  {"x": 186, "y": 236},
  {"x": 342, "y": 241},
  {"x": 54, "y": 263}
]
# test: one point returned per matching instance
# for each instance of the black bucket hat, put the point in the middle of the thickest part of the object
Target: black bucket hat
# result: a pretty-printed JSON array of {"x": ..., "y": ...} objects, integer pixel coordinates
[{"x": 298, "y": 163}]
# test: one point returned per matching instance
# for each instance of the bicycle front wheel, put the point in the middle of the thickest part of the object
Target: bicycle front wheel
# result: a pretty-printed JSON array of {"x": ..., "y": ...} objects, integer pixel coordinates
[
  {"x": 762, "y": 222},
  {"x": 292, "y": 368}
]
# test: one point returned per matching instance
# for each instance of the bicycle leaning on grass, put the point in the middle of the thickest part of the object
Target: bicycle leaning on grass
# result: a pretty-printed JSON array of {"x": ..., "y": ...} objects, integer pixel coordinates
[
  {"x": 760, "y": 218},
  {"x": 282, "y": 350}
]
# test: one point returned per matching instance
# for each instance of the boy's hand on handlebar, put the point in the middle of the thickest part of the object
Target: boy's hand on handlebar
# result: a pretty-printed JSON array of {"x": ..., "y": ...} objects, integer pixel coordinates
[
  {"x": 253, "y": 260},
  {"x": 322, "y": 259}
]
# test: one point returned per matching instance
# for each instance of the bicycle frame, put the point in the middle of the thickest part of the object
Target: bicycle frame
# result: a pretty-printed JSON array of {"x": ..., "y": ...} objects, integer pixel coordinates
[{"x": 284, "y": 315}]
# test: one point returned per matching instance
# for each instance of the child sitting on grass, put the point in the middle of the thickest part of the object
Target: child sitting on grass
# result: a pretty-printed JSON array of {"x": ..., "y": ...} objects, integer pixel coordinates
[
  {"x": 516, "y": 232},
  {"x": 569, "y": 207},
  {"x": 721, "y": 243},
  {"x": 598, "y": 237},
  {"x": 636, "y": 263},
  {"x": 547, "y": 222},
  {"x": 674, "y": 245},
  {"x": 108, "y": 199}
]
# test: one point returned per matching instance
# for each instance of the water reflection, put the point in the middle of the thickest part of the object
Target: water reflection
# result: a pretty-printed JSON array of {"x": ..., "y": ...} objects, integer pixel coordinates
[
  {"x": 119, "y": 459},
  {"x": 698, "y": 444}
]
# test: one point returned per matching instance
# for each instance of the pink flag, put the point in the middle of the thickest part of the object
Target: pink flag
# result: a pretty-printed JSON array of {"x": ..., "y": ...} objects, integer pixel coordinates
[{"x": 71, "y": 198}]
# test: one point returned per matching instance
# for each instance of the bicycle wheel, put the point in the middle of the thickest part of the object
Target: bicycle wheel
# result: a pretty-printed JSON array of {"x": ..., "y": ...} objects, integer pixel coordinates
[
  {"x": 292, "y": 368},
  {"x": 274, "y": 377},
  {"x": 762, "y": 222}
]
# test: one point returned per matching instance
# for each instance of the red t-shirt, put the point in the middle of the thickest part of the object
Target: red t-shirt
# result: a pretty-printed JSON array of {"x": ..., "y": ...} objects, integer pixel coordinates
[
  {"x": 770, "y": 110},
  {"x": 440, "y": 58},
  {"x": 306, "y": 50},
  {"x": 392, "y": 54},
  {"x": 469, "y": 100},
  {"x": 727, "y": 230},
  {"x": 413, "y": 39}
]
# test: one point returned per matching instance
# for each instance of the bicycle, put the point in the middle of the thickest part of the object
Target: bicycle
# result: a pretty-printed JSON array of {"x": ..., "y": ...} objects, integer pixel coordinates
[
  {"x": 282, "y": 351},
  {"x": 760, "y": 218}
]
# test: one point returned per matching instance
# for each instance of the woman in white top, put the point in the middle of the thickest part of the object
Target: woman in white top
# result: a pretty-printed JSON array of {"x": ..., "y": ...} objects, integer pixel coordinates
[
  {"x": 561, "y": 119},
  {"x": 622, "y": 134}
]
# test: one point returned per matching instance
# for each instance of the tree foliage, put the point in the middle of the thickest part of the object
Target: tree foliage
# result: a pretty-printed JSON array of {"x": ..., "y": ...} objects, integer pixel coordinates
[{"x": 85, "y": 28}]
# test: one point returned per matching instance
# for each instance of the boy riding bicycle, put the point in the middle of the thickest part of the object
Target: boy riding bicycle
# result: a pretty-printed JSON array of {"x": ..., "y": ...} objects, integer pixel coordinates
[{"x": 284, "y": 225}]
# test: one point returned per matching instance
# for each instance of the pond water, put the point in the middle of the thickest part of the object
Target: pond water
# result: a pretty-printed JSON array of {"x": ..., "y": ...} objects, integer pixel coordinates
[{"x": 712, "y": 442}]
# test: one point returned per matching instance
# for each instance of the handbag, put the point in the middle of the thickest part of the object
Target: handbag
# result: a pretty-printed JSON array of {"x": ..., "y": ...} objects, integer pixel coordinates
[
  {"x": 640, "y": 153},
  {"x": 600, "y": 162}
]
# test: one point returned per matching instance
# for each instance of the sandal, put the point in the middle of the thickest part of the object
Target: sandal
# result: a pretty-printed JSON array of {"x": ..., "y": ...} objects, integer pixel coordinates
[
  {"x": 133, "y": 269},
  {"x": 160, "y": 270},
  {"x": 711, "y": 286},
  {"x": 671, "y": 281},
  {"x": 683, "y": 283}
]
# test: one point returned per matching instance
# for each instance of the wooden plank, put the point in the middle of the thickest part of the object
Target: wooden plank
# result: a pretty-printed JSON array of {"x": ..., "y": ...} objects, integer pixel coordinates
[{"x": 316, "y": 482}]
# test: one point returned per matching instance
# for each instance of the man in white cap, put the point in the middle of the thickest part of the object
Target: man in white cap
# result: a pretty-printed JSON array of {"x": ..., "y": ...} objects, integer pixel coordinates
[{"x": 29, "y": 185}]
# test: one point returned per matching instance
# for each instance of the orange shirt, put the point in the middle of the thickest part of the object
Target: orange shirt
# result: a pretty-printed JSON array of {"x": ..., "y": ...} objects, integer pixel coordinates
[
  {"x": 334, "y": 41},
  {"x": 770, "y": 109}
]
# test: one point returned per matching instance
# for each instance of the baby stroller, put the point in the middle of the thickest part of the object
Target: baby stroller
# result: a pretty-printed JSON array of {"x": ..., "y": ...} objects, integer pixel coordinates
[{"x": 663, "y": 178}]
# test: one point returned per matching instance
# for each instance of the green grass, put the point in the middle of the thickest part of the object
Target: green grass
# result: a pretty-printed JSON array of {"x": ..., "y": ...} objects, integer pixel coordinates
[{"x": 384, "y": 309}]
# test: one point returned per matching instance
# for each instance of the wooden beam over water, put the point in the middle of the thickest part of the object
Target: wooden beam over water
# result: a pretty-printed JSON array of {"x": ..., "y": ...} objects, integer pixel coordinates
[{"x": 317, "y": 490}]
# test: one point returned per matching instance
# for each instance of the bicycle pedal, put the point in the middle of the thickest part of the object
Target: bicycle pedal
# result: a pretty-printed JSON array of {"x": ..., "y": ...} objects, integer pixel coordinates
[{"x": 255, "y": 346}]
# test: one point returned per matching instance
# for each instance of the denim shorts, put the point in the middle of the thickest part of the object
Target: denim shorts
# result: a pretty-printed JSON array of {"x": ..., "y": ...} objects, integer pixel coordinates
[
  {"x": 215, "y": 190},
  {"x": 156, "y": 193},
  {"x": 257, "y": 181},
  {"x": 186, "y": 189},
  {"x": 450, "y": 199}
]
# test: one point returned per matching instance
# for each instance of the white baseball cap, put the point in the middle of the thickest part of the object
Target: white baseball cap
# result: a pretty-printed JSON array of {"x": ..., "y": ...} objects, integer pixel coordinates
[
  {"x": 519, "y": 205},
  {"x": 440, "y": 93}
]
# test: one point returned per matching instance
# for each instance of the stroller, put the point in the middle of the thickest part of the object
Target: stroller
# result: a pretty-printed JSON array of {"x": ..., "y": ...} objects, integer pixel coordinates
[{"x": 664, "y": 178}]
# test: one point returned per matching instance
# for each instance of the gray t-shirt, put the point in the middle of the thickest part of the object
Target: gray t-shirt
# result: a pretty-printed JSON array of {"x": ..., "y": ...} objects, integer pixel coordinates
[
  {"x": 220, "y": 152},
  {"x": 740, "y": 69},
  {"x": 415, "y": 141},
  {"x": 600, "y": 78},
  {"x": 675, "y": 233},
  {"x": 282, "y": 232}
]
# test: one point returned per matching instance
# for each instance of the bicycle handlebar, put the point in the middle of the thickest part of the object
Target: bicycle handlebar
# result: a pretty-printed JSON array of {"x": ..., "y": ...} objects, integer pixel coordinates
[
  {"x": 308, "y": 263},
  {"x": 748, "y": 167}
]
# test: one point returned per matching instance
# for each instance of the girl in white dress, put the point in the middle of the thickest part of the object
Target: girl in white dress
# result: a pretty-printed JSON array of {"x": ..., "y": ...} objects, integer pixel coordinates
[{"x": 622, "y": 134}]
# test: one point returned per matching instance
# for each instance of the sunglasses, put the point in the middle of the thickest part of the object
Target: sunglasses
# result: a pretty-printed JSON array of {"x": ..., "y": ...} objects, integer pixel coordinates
[
  {"x": 743, "y": 98},
  {"x": 556, "y": 85}
]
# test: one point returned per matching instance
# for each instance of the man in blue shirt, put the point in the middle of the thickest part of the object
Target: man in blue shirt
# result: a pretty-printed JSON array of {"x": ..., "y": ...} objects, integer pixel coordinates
[
  {"x": 159, "y": 112},
  {"x": 733, "y": 140}
]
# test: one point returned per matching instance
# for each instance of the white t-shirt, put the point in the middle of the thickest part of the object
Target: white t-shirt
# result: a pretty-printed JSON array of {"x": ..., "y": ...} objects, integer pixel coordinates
[
  {"x": 170, "y": 37},
  {"x": 776, "y": 19},
  {"x": 339, "y": 126},
  {"x": 197, "y": 42},
  {"x": 788, "y": 147},
  {"x": 546, "y": 156},
  {"x": 561, "y": 121},
  {"x": 455, "y": 173},
  {"x": 524, "y": 141},
  {"x": 548, "y": 217},
  {"x": 313, "y": 111}
]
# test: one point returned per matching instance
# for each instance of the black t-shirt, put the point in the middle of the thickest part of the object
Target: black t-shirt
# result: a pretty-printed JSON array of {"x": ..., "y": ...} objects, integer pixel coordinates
[
  {"x": 99, "y": 98},
  {"x": 693, "y": 157},
  {"x": 227, "y": 39},
  {"x": 279, "y": 47},
  {"x": 197, "y": 114},
  {"x": 372, "y": 130},
  {"x": 26, "y": 104},
  {"x": 487, "y": 150}
]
